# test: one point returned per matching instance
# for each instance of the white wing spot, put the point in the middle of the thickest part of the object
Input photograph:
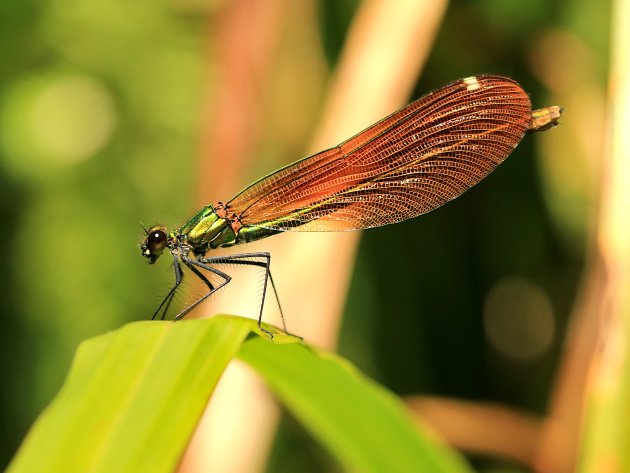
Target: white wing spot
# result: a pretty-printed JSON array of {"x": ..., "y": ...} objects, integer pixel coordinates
[{"x": 472, "y": 83}]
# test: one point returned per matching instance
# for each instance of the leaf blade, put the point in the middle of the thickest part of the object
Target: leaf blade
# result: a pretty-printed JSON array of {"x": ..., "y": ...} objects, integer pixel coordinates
[
  {"x": 362, "y": 424},
  {"x": 127, "y": 393}
]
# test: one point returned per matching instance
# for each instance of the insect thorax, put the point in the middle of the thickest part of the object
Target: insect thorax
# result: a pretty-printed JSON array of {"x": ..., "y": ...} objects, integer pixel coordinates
[{"x": 207, "y": 230}]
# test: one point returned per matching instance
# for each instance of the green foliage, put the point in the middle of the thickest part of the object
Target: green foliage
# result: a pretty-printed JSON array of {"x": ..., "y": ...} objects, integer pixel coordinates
[
  {"x": 414, "y": 317},
  {"x": 134, "y": 395}
]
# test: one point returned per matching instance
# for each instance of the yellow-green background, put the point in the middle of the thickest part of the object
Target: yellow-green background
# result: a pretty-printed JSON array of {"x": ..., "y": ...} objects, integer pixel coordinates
[{"x": 99, "y": 129}]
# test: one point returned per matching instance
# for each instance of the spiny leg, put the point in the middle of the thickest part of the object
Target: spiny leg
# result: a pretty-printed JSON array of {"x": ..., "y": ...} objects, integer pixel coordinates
[
  {"x": 205, "y": 280},
  {"x": 171, "y": 294},
  {"x": 191, "y": 263},
  {"x": 236, "y": 259},
  {"x": 200, "y": 275},
  {"x": 245, "y": 259},
  {"x": 275, "y": 294}
]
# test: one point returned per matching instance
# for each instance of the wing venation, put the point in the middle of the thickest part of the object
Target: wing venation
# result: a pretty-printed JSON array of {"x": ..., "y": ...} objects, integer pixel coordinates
[{"x": 407, "y": 164}]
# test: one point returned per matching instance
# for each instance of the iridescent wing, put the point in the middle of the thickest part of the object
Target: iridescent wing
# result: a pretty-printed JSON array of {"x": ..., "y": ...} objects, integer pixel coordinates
[{"x": 407, "y": 164}]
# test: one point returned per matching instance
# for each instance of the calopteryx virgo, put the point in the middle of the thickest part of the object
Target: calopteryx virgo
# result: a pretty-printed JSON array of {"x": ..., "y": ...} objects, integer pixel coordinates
[{"x": 405, "y": 165}]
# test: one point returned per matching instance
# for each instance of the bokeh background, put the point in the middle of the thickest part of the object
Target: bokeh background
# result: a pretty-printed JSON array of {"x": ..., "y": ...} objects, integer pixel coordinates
[{"x": 107, "y": 115}]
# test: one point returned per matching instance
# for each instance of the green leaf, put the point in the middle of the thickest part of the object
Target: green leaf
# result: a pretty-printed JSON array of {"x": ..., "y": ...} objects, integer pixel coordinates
[
  {"x": 363, "y": 425},
  {"x": 134, "y": 396}
]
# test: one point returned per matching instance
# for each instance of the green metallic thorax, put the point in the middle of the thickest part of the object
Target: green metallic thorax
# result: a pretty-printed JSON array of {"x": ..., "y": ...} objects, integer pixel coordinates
[{"x": 206, "y": 231}]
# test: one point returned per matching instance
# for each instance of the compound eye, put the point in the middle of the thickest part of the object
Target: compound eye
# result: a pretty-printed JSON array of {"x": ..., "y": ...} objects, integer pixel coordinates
[{"x": 156, "y": 241}]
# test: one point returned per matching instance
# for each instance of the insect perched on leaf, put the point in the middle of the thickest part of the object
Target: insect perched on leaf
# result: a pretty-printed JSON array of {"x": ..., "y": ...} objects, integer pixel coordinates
[{"x": 405, "y": 165}]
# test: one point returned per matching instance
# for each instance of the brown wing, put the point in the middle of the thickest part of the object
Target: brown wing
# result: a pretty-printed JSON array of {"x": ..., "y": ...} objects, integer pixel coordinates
[{"x": 407, "y": 164}]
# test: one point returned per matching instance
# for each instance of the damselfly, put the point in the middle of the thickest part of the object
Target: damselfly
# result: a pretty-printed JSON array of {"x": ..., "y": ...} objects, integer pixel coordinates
[{"x": 405, "y": 165}]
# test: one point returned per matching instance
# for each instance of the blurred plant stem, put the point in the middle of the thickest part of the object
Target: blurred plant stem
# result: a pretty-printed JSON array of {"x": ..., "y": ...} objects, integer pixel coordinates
[
  {"x": 386, "y": 46},
  {"x": 593, "y": 371},
  {"x": 605, "y": 443},
  {"x": 480, "y": 428}
]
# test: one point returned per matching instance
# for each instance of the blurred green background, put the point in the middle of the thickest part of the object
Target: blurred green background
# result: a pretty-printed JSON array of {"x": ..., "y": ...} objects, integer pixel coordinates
[{"x": 99, "y": 128}]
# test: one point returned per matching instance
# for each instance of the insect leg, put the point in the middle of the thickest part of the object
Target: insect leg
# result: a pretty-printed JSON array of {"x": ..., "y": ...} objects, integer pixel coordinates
[
  {"x": 264, "y": 262},
  {"x": 191, "y": 263},
  {"x": 169, "y": 297}
]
